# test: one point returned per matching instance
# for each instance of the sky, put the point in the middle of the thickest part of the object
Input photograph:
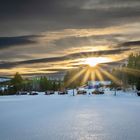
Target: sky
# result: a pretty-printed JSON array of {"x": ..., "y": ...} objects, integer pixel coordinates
[{"x": 48, "y": 36}]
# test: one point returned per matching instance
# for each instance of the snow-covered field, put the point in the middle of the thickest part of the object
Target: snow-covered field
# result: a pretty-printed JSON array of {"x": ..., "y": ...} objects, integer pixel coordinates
[{"x": 64, "y": 117}]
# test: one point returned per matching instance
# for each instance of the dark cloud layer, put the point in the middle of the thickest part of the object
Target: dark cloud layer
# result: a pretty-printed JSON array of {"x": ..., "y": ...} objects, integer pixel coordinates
[
  {"x": 36, "y": 16},
  {"x": 40, "y": 31},
  {"x": 66, "y": 57},
  {"x": 18, "y": 40},
  {"x": 93, "y": 40},
  {"x": 131, "y": 43}
]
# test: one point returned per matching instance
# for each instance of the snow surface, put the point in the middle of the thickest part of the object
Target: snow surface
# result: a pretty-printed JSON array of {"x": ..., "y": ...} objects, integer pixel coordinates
[{"x": 65, "y": 117}]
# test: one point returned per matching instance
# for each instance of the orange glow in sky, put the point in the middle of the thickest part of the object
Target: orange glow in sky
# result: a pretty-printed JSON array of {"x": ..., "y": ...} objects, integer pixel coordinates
[{"x": 93, "y": 61}]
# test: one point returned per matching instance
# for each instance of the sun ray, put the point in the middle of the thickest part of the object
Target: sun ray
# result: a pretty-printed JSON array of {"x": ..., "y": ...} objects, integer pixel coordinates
[
  {"x": 110, "y": 76},
  {"x": 93, "y": 75},
  {"x": 99, "y": 75},
  {"x": 86, "y": 76},
  {"x": 75, "y": 76}
]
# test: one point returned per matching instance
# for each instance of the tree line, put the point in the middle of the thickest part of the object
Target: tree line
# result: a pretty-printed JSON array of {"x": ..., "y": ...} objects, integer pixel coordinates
[
  {"x": 18, "y": 83},
  {"x": 128, "y": 74},
  {"x": 134, "y": 70}
]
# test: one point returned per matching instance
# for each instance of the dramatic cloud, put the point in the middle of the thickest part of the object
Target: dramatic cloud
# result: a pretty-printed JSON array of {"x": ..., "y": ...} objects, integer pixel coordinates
[
  {"x": 131, "y": 43},
  {"x": 18, "y": 40},
  {"x": 29, "y": 16},
  {"x": 53, "y": 35},
  {"x": 63, "y": 58}
]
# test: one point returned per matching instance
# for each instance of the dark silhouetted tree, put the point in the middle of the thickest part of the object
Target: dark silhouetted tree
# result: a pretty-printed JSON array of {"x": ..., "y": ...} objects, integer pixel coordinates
[{"x": 17, "y": 82}]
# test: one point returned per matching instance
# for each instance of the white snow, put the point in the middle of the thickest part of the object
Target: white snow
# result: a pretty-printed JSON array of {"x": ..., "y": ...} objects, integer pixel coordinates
[
  {"x": 65, "y": 117},
  {"x": 72, "y": 92}
]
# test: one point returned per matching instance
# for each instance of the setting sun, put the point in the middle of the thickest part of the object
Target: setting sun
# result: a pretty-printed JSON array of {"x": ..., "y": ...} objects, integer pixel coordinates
[{"x": 93, "y": 61}]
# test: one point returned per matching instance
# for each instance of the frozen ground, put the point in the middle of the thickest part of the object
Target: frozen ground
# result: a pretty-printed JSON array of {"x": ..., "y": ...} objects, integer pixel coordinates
[{"x": 66, "y": 117}]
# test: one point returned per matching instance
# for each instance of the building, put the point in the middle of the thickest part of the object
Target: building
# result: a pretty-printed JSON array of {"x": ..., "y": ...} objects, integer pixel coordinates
[{"x": 92, "y": 84}]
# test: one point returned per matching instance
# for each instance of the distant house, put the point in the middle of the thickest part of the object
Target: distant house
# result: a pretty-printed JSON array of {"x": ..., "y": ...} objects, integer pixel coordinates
[{"x": 92, "y": 84}]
